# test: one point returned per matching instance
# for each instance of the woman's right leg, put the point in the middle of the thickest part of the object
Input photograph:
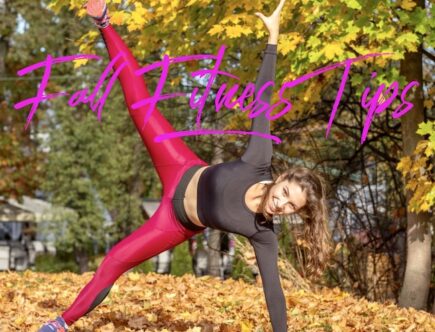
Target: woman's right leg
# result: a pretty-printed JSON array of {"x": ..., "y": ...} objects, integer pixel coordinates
[
  {"x": 169, "y": 155},
  {"x": 160, "y": 233}
]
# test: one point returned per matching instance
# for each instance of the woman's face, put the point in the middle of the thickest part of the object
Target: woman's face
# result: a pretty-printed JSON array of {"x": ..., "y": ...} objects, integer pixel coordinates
[{"x": 285, "y": 197}]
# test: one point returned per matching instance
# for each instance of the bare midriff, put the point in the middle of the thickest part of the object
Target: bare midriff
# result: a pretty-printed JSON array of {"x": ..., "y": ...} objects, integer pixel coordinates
[{"x": 191, "y": 197}]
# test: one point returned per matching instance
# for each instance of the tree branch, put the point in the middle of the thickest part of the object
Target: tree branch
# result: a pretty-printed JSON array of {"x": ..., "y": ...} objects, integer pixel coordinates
[{"x": 429, "y": 55}]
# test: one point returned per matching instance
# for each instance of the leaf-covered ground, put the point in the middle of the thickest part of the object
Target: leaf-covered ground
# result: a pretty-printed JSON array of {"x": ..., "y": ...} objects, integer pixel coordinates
[{"x": 151, "y": 302}]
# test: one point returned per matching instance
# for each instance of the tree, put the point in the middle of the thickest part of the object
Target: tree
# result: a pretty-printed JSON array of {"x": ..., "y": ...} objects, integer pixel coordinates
[
  {"x": 20, "y": 156},
  {"x": 418, "y": 264}
]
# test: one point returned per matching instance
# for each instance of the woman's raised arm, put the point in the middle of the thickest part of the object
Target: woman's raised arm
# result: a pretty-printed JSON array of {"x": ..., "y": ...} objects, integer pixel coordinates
[{"x": 259, "y": 150}]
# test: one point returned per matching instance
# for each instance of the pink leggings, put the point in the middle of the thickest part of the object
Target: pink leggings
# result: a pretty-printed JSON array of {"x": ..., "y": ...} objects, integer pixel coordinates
[{"x": 171, "y": 159}]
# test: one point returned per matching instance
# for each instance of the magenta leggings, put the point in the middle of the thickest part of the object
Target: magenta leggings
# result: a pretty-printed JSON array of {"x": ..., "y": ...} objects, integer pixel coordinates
[{"x": 171, "y": 159}]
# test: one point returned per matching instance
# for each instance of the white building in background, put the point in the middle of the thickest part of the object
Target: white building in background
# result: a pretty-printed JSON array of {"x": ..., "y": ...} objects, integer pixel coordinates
[{"x": 21, "y": 239}]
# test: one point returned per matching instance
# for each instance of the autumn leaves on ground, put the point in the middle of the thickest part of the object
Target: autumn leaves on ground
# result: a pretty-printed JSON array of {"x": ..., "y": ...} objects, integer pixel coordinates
[{"x": 152, "y": 302}]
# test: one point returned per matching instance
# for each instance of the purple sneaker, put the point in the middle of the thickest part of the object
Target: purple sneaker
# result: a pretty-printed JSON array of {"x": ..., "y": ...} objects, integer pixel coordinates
[{"x": 57, "y": 325}]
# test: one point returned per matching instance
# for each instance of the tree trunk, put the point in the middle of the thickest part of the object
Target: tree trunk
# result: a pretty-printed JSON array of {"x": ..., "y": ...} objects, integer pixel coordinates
[
  {"x": 82, "y": 259},
  {"x": 214, "y": 254},
  {"x": 4, "y": 39},
  {"x": 415, "y": 289}
]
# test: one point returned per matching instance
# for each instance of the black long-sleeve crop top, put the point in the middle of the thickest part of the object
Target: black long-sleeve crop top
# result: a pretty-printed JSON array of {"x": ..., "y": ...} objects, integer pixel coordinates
[{"x": 221, "y": 199}]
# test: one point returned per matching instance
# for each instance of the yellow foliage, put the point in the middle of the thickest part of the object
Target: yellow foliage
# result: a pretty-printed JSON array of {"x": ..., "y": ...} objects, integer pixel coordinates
[
  {"x": 404, "y": 165},
  {"x": 29, "y": 299},
  {"x": 235, "y": 19},
  {"x": 246, "y": 326},
  {"x": 80, "y": 62},
  {"x": 407, "y": 4},
  {"x": 289, "y": 41},
  {"x": 386, "y": 33},
  {"x": 428, "y": 104},
  {"x": 331, "y": 50},
  {"x": 216, "y": 29},
  {"x": 191, "y": 3},
  {"x": 133, "y": 276},
  {"x": 234, "y": 31},
  {"x": 81, "y": 12},
  {"x": 417, "y": 171},
  {"x": 118, "y": 18}
]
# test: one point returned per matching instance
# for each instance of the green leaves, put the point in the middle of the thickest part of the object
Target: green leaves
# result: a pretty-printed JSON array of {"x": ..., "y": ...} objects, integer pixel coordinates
[
  {"x": 354, "y": 4},
  {"x": 409, "y": 40},
  {"x": 427, "y": 128}
]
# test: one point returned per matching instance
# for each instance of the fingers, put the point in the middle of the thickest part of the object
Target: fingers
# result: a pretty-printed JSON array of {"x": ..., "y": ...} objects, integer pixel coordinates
[
  {"x": 280, "y": 5},
  {"x": 275, "y": 12},
  {"x": 260, "y": 15}
]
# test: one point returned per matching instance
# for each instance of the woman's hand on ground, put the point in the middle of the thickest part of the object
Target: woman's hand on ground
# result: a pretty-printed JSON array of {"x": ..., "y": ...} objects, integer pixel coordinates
[{"x": 272, "y": 22}]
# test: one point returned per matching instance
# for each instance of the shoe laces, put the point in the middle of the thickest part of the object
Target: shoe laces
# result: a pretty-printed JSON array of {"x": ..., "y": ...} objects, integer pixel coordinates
[{"x": 59, "y": 327}]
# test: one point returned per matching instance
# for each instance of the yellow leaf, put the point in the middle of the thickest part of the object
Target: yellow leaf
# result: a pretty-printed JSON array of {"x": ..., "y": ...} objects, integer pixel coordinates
[
  {"x": 421, "y": 145},
  {"x": 81, "y": 12},
  {"x": 186, "y": 315},
  {"x": 114, "y": 289},
  {"x": 246, "y": 326},
  {"x": 246, "y": 30},
  {"x": 425, "y": 206},
  {"x": 404, "y": 165},
  {"x": 429, "y": 151},
  {"x": 20, "y": 320},
  {"x": 151, "y": 317},
  {"x": 235, "y": 19},
  {"x": 215, "y": 29},
  {"x": 234, "y": 31},
  {"x": 191, "y": 2},
  {"x": 138, "y": 18},
  {"x": 117, "y": 18},
  {"x": 80, "y": 62},
  {"x": 133, "y": 276},
  {"x": 331, "y": 50},
  {"x": 106, "y": 328},
  {"x": 407, "y": 4},
  {"x": 428, "y": 104},
  {"x": 289, "y": 42},
  {"x": 171, "y": 295},
  {"x": 194, "y": 329}
]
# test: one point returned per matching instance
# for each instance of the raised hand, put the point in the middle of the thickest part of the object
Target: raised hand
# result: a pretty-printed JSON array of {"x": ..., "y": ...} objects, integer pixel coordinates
[{"x": 272, "y": 22}]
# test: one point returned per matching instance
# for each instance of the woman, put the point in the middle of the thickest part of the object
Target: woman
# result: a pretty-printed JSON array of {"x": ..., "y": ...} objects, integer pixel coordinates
[{"x": 238, "y": 196}]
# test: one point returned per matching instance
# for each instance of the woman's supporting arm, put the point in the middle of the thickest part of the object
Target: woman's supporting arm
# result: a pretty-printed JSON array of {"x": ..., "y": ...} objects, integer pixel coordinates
[{"x": 265, "y": 245}]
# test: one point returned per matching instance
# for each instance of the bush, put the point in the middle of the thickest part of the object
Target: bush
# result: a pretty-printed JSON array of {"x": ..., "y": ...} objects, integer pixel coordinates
[{"x": 54, "y": 264}]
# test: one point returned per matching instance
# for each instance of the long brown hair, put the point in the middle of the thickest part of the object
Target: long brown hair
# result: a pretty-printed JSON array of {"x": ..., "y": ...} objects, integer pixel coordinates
[{"x": 316, "y": 237}]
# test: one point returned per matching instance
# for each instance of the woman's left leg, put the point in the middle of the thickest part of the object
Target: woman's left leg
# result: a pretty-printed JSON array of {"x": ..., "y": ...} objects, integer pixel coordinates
[{"x": 161, "y": 232}]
